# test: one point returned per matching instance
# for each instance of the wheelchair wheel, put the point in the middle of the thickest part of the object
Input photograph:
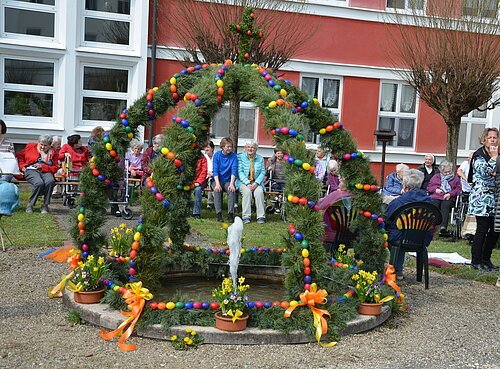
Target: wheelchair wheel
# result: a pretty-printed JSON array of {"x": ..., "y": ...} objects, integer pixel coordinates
[
  {"x": 127, "y": 213},
  {"x": 71, "y": 202}
]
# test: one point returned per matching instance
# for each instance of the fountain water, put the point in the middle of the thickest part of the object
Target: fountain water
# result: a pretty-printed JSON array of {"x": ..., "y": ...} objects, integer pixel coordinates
[{"x": 234, "y": 236}]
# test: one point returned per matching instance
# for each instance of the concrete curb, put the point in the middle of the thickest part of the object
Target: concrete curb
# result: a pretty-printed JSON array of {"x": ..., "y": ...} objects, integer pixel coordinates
[{"x": 102, "y": 316}]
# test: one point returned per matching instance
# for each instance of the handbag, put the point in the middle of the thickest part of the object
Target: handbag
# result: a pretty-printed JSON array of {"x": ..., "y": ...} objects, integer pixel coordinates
[{"x": 469, "y": 226}]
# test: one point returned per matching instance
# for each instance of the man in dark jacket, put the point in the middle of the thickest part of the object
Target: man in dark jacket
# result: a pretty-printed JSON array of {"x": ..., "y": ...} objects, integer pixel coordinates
[{"x": 412, "y": 182}]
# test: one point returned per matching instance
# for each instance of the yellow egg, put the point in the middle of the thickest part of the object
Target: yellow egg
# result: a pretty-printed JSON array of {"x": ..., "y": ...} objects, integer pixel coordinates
[
  {"x": 186, "y": 188},
  {"x": 306, "y": 166},
  {"x": 272, "y": 104},
  {"x": 137, "y": 236},
  {"x": 164, "y": 150},
  {"x": 242, "y": 251},
  {"x": 170, "y": 305},
  {"x": 109, "y": 147},
  {"x": 283, "y": 92},
  {"x": 289, "y": 198},
  {"x": 359, "y": 186},
  {"x": 322, "y": 131},
  {"x": 315, "y": 101},
  {"x": 219, "y": 83},
  {"x": 173, "y": 81},
  {"x": 130, "y": 135},
  {"x": 305, "y": 253},
  {"x": 81, "y": 217},
  {"x": 386, "y": 236},
  {"x": 116, "y": 288},
  {"x": 293, "y": 303},
  {"x": 155, "y": 89}
]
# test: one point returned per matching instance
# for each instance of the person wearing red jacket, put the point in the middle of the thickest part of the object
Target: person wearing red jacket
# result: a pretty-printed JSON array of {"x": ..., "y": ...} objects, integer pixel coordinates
[
  {"x": 38, "y": 162},
  {"x": 74, "y": 151},
  {"x": 200, "y": 182}
]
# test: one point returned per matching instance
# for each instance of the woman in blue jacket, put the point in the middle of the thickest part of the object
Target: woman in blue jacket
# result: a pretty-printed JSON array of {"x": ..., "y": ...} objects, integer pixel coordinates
[{"x": 251, "y": 173}]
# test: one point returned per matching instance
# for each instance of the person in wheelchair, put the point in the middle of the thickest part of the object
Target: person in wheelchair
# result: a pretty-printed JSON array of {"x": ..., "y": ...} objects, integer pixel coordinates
[
  {"x": 412, "y": 191},
  {"x": 443, "y": 189},
  {"x": 276, "y": 171}
]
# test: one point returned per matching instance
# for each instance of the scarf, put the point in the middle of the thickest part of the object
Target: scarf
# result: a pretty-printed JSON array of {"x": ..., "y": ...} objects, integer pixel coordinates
[{"x": 445, "y": 185}]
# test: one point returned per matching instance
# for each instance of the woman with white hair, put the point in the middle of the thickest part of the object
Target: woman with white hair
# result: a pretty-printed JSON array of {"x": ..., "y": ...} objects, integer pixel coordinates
[
  {"x": 429, "y": 168},
  {"x": 38, "y": 162},
  {"x": 251, "y": 173},
  {"x": 393, "y": 186},
  {"x": 150, "y": 154},
  {"x": 134, "y": 157},
  {"x": 443, "y": 189}
]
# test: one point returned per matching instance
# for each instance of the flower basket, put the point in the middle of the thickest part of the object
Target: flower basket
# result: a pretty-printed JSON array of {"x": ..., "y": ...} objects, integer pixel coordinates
[
  {"x": 370, "y": 308},
  {"x": 89, "y": 297},
  {"x": 226, "y": 323}
]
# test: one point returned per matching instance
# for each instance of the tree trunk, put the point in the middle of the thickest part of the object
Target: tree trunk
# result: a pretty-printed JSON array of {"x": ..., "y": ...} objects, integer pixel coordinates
[
  {"x": 452, "y": 140},
  {"x": 234, "y": 120}
]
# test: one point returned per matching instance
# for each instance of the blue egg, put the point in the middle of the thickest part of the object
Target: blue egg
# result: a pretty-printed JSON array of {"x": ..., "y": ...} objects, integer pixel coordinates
[
  {"x": 197, "y": 102},
  {"x": 132, "y": 263},
  {"x": 251, "y": 304},
  {"x": 184, "y": 123},
  {"x": 153, "y": 190},
  {"x": 271, "y": 83},
  {"x": 277, "y": 130},
  {"x": 184, "y": 71},
  {"x": 131, "y": 278},
  {"x": 125, "y": 122},
  {"x": 205, "y": 305},
  {"x": 85, "y": 254},
  {"x": 307, "y": 279},
  {"x": 254, "y": 249},
  {"x": 288, "y": 82},
  {"x": 294, "y": 111},
  {"x": 304, "y": 104},
  {"x": 268, "y": 304},
  {"x": 291, "y": 160},
  {"x": 292, "y": 132},
  {"x": 267, "y": 249},
  {"x": 188, "y": 305},
  {"x": 125, "y": 111},
  {"x": 354, "y": 155},
  {"x": 225, "y": 67},
  {"x": 101, "y": 178},
  {"x": 298, "y": 236},
  {"x": 166, "y": 203},
  {"x": 264, "y": 73},
  {"x": 218, "y": 76},
  {"x": 197, "y": 67}
]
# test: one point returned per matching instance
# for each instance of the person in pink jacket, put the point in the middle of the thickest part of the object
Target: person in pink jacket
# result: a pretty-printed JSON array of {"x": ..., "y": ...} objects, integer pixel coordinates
[
  {"x": 443, "y": 188},
  {"x": 38, "y": 162},
  {"x": 74, "y": 151}
]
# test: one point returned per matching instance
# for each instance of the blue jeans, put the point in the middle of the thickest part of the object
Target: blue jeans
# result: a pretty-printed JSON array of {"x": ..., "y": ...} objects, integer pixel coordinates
[{"x": 198, "y": 196}]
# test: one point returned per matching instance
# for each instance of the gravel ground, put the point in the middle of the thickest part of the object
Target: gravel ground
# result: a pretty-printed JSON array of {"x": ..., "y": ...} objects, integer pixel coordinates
[{"x": 454, "y": 324}]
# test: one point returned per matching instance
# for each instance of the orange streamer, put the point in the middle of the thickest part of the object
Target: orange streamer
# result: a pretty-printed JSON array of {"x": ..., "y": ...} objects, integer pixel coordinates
[
  {"x": 390, "y": 278},
  {"x": 135, "y": 297},
  {"x": 310, "y": 299}
]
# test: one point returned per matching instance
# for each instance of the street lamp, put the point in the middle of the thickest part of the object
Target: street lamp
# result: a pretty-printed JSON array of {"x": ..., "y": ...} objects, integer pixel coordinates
[{"x": 384, "y": 136}]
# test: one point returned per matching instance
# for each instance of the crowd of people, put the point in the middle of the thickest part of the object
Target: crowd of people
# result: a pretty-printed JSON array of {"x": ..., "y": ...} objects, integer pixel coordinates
[{"x": 477, "y": 180}]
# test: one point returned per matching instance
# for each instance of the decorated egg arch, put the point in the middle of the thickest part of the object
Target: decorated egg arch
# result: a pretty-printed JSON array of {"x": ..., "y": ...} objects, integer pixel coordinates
[{"x": 288, "y": 113}]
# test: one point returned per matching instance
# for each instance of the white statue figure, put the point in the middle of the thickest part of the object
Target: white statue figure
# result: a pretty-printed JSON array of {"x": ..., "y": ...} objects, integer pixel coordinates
[{"x": 234, "y": 235}]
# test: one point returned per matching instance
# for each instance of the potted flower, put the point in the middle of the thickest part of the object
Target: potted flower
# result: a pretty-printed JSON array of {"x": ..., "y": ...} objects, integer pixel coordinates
[
  {"x": 121, "y": 240},
  {"x": 369, "y": 293},
  {"x": 86, "y": 280},
  {"x": 232, "y": 303}
]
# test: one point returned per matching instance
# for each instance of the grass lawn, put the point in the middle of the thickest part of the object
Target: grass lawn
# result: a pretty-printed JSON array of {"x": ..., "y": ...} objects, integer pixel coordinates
[
  {"x": 35, "y": 229},
  {"x": 32, "y": 229}
]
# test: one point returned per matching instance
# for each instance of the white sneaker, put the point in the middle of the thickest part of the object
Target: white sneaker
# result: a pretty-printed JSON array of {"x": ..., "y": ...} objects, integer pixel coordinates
[{"x": 498, "y": 282}]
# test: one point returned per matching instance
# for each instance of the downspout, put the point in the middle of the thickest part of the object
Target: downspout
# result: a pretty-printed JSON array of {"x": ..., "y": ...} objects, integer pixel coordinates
[{"x": 153, "y": 60}]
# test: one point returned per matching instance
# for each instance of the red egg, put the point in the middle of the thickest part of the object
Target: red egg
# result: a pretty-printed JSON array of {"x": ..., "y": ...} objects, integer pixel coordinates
[
  {"x": 307, "y": 270},
  {"x": 197, "y": 305},
  {"x": 153, "y": 305},
  {"x": 302, "y": 201},
  {"x": 214, "y": 305},
  {"x": 259, "y": 304}
]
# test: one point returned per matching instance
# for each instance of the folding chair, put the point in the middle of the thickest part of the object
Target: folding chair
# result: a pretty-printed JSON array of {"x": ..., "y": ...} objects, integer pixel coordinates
[
  {"x": 338, "y": 218},
  {"x": 417, "y": 222}
]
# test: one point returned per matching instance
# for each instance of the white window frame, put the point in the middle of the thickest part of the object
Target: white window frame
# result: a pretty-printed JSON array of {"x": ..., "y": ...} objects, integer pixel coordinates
[
  {"x": 111, "y": 17},
  {"x": 21, "y": 5},
  {"x": 398, "y": 115},
  {"x": 243, "y": 141},
  {"x": 102, "y": 94},
  {"x": 321, "y": 77},
  {"x": 24, "y": 121},
  {"x": 467, "y": 121}
]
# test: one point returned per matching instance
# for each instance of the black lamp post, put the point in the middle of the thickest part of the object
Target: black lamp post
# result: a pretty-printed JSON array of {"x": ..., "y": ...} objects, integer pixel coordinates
[{"x": 384, "y": 136}]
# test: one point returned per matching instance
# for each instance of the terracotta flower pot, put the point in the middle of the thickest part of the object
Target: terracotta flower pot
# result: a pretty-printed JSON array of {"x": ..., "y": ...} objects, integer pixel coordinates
[
  {"x": 89, "y": 297},
  {"x": 226, "y": 323},
  {"x": 370, "y": 308}
]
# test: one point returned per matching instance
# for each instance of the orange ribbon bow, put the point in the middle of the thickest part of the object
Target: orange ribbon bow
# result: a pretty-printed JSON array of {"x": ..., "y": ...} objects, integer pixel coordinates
[
  {"x": 135, "y": 297},
  {"x": 390, "y": 278},
  {"x": 310, "y": 299}
]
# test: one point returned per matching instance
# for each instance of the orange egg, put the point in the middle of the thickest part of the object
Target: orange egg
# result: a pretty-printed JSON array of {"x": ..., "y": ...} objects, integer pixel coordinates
[{"x": 161, "y": 306}]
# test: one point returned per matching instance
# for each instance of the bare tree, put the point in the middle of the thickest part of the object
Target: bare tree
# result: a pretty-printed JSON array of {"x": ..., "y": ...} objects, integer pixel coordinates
[
  {"x": 204, "y": 31},
  {"x": 451, "y": 56}
]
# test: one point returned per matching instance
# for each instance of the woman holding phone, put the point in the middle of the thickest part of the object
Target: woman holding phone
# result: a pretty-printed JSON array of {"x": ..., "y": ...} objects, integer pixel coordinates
[{"x": 482, "y": 199}]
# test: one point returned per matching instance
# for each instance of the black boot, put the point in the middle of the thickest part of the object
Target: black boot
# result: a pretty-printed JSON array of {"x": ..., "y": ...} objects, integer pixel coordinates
[
  {"x": 230, "y": 217},
  {"x": 219, "y": 217}
]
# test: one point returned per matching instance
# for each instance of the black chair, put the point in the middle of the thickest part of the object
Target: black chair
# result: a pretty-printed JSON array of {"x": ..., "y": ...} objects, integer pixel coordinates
[
  {"x": 415, "y": 220},
  {"x": 341, "y": 218}
]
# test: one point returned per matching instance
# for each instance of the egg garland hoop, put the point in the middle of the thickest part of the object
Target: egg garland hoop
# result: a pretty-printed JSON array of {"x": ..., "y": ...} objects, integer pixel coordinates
[{"x": 184, "y": 141}]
